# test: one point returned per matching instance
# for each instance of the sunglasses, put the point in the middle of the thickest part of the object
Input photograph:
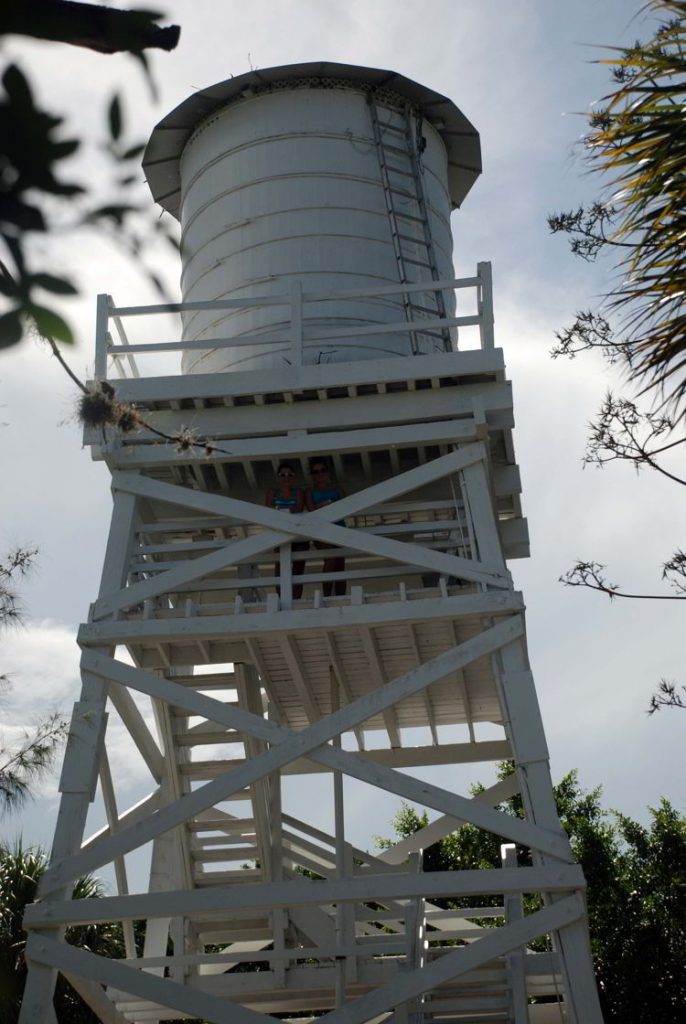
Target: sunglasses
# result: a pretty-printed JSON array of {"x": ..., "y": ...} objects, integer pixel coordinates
[
  {"x": 286, "y": 476},
  {"x": 319, "y": 471}
]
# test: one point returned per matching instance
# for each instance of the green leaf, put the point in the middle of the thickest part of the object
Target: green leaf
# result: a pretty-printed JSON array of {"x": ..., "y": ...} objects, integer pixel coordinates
[
  {"x": 10, "y": 329},
  {"x": 50, "y": 324},
  {"x": 18, "y": 89},
  {"x": 133, "y": 151},
  {"x": 115, "y": 117},
  {"x": 59, "y": 285},
  {"x": 116, "y": 211},
  {"x": 24, "y": 215}
]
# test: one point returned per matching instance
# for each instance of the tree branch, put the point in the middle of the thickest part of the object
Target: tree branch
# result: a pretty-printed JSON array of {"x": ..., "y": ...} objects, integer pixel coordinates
[
  {"x": 590, "y": 575},
  {"x": 94, "y": 27}
]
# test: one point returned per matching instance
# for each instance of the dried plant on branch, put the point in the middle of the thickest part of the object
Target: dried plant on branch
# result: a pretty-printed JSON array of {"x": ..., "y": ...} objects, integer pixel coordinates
[
  {"x": 622, "y": 432},
  {"x": 667, "y": 696}
]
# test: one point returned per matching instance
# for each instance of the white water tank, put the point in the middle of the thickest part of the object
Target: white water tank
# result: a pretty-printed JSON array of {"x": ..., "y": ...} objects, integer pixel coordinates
[{"x": 277, "y": 177}]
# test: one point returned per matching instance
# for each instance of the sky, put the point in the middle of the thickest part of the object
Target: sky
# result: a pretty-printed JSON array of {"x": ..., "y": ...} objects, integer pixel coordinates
[{"x": 523, "y": 73}]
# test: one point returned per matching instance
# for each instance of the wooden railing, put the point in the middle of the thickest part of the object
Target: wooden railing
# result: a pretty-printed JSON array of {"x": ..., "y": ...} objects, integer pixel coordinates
[{"x": 114, "y": 351}]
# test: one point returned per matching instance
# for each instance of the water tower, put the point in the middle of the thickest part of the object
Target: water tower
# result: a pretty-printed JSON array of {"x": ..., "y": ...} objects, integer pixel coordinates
[{"x": 270, "y": 671}]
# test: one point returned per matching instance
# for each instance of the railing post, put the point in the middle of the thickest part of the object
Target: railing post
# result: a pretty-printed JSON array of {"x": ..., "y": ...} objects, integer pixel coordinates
[
  {"x": 286, "y": 577},
  {"x": 485, "y": 300},
  {"x": 296, "y": 293},
  {"x": 102, "y": 312}
]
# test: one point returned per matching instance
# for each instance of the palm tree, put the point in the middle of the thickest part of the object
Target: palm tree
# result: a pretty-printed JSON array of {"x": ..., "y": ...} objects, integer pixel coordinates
[
  {"x": 637, "y": 143},
  {"x": 20, "y": 872}
]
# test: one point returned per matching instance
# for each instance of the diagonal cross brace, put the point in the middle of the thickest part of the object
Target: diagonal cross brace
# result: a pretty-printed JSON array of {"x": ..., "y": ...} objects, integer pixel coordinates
[
  {"x": 429, "y": 976},
  {"x": 499, "y": 941},
  {"x": 318, "y": 525},
  {"x": 287, "y": 746},
  {"x": 133, "y": 981}
]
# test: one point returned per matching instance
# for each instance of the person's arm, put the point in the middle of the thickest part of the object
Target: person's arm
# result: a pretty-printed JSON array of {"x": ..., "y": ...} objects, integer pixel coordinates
[
  {"x": 309, "y": 503},
  {"x": 270, "y": 498},
  {"x": 299, "y": 501}
]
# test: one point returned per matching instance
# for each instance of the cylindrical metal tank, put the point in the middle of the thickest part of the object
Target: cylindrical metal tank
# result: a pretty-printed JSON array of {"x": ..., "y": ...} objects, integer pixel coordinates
[{"x": 306, "y": 174}]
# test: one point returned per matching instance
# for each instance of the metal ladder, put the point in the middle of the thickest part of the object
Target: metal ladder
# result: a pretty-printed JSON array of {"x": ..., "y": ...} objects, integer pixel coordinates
[{"x": 402, "y": 159}]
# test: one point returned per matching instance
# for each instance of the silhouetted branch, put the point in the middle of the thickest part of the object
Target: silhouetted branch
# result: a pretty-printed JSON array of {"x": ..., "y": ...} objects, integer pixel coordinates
[
  {"x": 93, "y": 26},
  {"x": 590, "y": 575},
  {"x": 622, "y": 431},
  {"x": 666, "y": 697}
]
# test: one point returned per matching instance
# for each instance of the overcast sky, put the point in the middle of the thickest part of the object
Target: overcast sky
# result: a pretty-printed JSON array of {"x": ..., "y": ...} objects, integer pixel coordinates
[{"x": 522, "y": 72}]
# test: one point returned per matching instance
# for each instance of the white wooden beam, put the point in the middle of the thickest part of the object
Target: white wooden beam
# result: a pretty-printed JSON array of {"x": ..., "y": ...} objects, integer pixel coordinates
[
  {"x": 246, "y": 626},
  {"x": 453, "y": 965},
  {"x": 316, "y": 525},
  {"x": 305, "y": 892},
  {"x": 163, "y": 991},
  {"x": 443, "y": 826},
  {"x": 461, "y": 364},
  {"x": 137, "y": 455},
  {"x": 138, "y": 731},
  {"x": 307, "y": 742}
]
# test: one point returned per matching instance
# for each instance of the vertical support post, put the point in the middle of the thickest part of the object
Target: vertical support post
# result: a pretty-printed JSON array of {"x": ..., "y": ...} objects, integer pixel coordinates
[
  {"x": 110, "y": 802},
  {"x": 286, "y": 574},
  {"x": 485, "y": 302},
  {"x": 519, "y": 1013},
  {"x": 296, "y": 297},
  {"x": 81, "y": 757},
  {"x": 339, "y": 837},
  {"x": 102, "y": 312},
  {"x": 524, "y": 728},
  {"x": 279, "y": 914}
]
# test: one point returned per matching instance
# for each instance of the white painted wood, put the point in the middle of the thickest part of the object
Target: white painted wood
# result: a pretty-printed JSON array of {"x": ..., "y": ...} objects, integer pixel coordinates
[
  {"x": 306, "y": 742},
  {"x": 84, "y": 750},
  {"x": 102, "y": 312},
  {"x": 321, "y": 376},
  {"x": 93, "y": 995},
  {"x": 110, "y": 802},
  {"x": 443, "y": 826},
  {"x": 163, "y": 991},
  {"x": 376, "y": 410},
  {"x": 95, "y": 634},
  {"x": 304, "y": 892},
  {"x": 138, "y": 730},
  {"x": 242, "y": 449},
  {"x": 388, "y": 412}
]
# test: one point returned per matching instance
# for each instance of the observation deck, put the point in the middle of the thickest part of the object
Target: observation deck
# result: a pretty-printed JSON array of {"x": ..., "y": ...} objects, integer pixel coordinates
[{"x": 401, "y": 433}]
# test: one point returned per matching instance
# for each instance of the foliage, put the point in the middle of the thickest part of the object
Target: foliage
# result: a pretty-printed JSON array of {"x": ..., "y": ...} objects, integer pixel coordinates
[
  {"x": 24, "y": 763},
  {"x": 20, "y": 872},
  {"x": 636, "y": 144},
  {"x": 636, "y": 894},
  {"x": 667, "y": 696},
  {"x": 36, "y": 198}
]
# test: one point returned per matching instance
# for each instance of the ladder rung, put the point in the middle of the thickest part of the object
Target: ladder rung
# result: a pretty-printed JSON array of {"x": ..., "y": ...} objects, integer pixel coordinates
[
  {"x": 395, "y": 149},
  {"x": 425, "y": 309},
  {"x": 393, "y": 127},
  {"x": 398, "y": 170},
  {"x": 409, "y": 216},
  {"x": 417, "y": 263},
  {"x": 403, "y": 192},
  {"x": 411, "y": 238}
]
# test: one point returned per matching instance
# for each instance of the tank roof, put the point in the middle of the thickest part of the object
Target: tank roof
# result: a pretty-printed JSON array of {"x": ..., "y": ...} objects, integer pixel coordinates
[{"x": 163, "y": 152}]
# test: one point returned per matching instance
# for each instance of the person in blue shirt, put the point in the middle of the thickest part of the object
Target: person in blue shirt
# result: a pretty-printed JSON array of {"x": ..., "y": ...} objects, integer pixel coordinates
[
  {"x": 322, "y": 492},
  {"x": 287, "y": 497}
]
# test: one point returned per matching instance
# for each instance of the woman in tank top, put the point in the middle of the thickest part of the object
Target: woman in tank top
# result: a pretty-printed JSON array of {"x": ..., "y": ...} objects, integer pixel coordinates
[
  {"x": 287, "y": 497},
  {"x": 322, "y": 492}
]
